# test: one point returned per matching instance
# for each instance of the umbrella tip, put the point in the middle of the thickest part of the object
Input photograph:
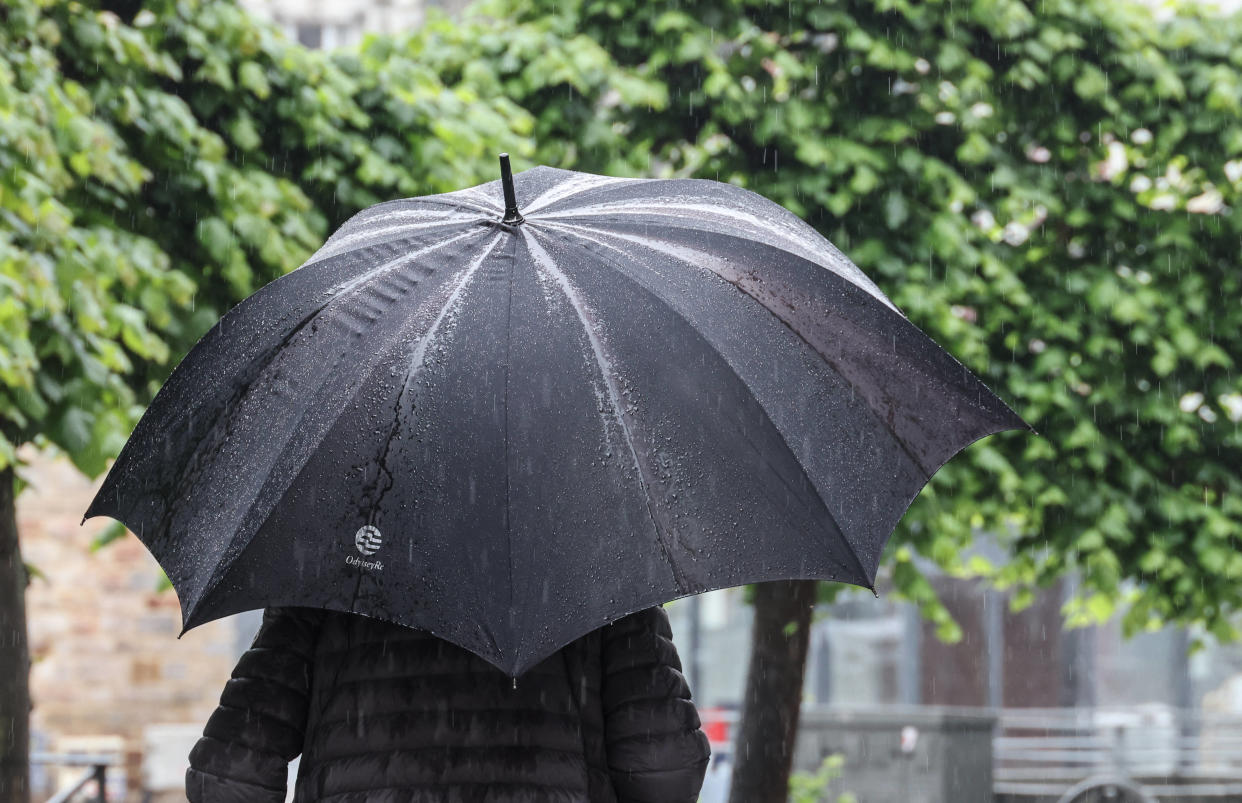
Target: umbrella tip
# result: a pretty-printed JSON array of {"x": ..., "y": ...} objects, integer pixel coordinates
[{"x": 512, "y": 215}]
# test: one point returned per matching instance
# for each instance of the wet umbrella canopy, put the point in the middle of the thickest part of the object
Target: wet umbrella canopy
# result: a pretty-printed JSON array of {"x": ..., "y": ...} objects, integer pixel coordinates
[{"x": 511, "y": 427}]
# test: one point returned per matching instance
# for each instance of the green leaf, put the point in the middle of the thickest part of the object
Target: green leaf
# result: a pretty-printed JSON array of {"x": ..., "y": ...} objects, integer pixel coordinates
[
  {"x": 896, "y": 212},
  {"x": 114, "y": 531},
  {"x": 251, "y": 76}
]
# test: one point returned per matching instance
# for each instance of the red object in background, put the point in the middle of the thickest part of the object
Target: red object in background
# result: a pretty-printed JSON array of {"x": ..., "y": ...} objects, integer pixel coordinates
[{"x": 716, "y": 722}]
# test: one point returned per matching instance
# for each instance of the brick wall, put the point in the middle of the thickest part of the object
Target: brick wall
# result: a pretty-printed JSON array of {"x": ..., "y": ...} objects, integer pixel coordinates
[{"x": 105, "y": 655}]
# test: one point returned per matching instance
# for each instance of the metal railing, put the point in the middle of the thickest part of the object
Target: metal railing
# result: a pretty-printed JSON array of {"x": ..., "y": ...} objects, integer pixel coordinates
[
  {"x": 1167, "y": 751},
  {"x": 93, "y": 781}
]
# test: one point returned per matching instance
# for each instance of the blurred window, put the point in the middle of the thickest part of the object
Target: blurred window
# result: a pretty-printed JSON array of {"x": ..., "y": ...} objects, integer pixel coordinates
[{"x": 310, "y": 34}]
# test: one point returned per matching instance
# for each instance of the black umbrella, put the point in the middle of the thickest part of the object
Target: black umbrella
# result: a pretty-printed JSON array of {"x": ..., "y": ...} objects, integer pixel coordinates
[{"x": 511, "y": 428}]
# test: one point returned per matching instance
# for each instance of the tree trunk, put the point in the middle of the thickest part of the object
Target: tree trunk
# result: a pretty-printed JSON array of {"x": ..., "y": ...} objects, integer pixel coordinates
[
  {"x": 14, "y": 657},
  {"x": 765, "y": 738}
]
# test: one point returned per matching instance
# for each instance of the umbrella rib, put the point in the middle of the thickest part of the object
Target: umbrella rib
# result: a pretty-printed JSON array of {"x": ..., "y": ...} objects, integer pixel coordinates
[
  {"x": 815, "y": 490},
  {"x": 434, "y": 201},
  {"x": 576, "y": 187},
  {"x": 545, "y": 263},
  {"x": 358, "y": 221},
  {"x": 220, "y": 570},
  {"x": 419, "y": 357},
  {"x": 725, "y": 215},
  {"x": 332, "y": 249},
  {"x": 508, "y": 367},
  {"x": 417, "y": 360},
  {"x": 362, "y": 219},
  {"x": 363, "y": 278},
  {"x": 917, "y": 463},
  {"x": 487, "y": 201},
  {"x": 255, "y": 369}
]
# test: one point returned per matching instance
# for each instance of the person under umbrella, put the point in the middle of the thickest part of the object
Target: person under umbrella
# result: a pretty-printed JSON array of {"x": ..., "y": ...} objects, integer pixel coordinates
[
  {"x": 385, "y": 714},
  {"x": 511, "y": 423},
  {"x": 506, "y": 427}
]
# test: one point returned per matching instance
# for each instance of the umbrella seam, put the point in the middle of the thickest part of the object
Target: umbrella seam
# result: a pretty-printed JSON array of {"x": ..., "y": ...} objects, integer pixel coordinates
[
  {"x": 607, "y": 375},
  {"x": 925, "y": 472},
  {"x": 815, "y": 490},
  {"x": 219, "y": 573},
  {"x": 262, "y": 361},
  {"x": 802, "y": 233},
  {"x": 902, "y": 321},
  {"x": 360, "y": 217},
  {"x": 340, "y": 291},
  {"x": 508, "y": 366},
  {"x": 406, "y": 229},
  {"x": 382, "y": 463},
  {"x": 915, "y": 461},
  {"x": 540, "y": 201}
]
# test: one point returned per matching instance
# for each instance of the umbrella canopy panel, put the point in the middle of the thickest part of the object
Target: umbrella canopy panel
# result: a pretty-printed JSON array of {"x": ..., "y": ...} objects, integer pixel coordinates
[{"x": 511, "y": 434}]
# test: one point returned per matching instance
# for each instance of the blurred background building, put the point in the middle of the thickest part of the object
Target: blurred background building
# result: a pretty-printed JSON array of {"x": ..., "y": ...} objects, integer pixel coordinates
[
  {"x": 866, "y": 651},
  {"x": 1055, "y": 706},
  {"x": 326, "y": 25}
]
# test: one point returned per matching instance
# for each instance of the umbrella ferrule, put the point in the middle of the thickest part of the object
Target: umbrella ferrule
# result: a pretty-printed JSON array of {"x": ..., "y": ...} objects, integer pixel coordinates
[{"x": 512, "y": 215}]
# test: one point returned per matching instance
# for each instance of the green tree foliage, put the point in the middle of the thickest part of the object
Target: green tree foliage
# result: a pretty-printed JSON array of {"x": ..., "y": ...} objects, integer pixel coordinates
[
  {"x": 1051, "y": 191},
  {"x": 574, "y": 91},
  {"x": 156, "y": 170}
]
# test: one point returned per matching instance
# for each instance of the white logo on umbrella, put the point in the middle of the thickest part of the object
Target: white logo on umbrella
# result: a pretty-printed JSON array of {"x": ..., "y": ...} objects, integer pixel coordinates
[{"x": 368, "y": 540}]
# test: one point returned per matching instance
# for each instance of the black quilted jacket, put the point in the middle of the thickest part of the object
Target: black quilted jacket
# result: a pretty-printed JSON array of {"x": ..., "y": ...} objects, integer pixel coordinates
[{"x": 386, "y": 714}]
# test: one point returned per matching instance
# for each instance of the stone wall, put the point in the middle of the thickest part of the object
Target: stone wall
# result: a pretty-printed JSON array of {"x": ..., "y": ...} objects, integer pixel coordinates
[{"x": 106, "y": 660}]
